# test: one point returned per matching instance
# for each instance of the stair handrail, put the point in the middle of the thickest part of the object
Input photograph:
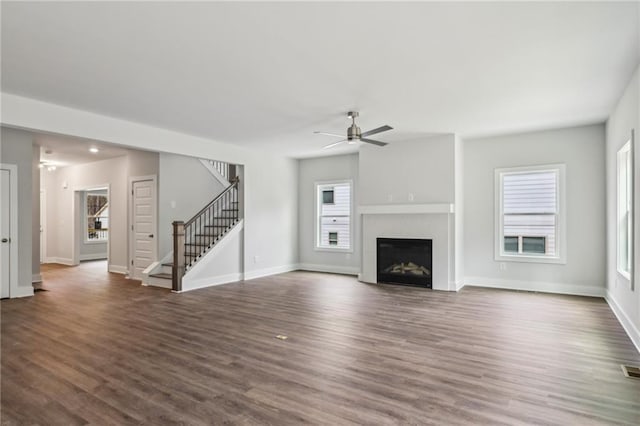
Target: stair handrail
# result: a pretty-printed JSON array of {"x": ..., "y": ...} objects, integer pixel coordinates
[
  {"x": 234, "y": 184},
  {"x": 183, "y": 235}
]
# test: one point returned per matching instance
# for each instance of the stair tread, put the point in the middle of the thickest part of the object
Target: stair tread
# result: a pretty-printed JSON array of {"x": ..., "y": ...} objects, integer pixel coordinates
[
  {"x": 170, "y": 264},
  {"x": 161, "y": 275}
]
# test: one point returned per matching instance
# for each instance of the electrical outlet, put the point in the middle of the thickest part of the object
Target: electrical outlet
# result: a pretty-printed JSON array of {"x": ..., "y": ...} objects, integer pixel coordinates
[
  {"x": 256, "y": 259},
  {"x": 410, "y": 197},
  {"x": 390, "y": 198}
]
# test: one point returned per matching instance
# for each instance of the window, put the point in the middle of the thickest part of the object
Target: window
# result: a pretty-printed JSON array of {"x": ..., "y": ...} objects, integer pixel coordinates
[
  {"x": 333, "y": 224},
  {"x": 327, "y": 196},
  {"x": 625, "y": 210},
  {"x": 530, "y": 214},
  {"x": 97, "y": 209}
]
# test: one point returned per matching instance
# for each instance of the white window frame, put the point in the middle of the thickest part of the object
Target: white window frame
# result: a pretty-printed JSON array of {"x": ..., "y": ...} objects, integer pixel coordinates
[
  {"x": 86, "y": 217},
  {"x": 318, "y": 207},
  {"x": 625, "y": 154},
  {"x": 561, "y": 236}
]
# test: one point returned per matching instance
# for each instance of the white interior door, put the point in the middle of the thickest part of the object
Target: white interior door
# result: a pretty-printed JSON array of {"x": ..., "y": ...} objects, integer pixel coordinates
[
  {"x": 5, "y": 231},
  {"x": 144, "y": 226}
]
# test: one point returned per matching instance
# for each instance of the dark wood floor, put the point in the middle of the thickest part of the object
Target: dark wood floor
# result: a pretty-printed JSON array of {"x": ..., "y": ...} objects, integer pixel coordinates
[{"x": 97, "y": 348}]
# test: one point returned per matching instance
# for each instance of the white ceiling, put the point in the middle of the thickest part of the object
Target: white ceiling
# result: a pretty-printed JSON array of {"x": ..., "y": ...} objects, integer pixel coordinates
[
  {"x": 266, "y": 75},
  {"x": 62, "y": 151}
]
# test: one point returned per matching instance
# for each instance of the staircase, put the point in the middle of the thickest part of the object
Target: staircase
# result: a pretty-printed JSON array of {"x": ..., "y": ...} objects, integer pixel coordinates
[{"x": 193, "y": 239}]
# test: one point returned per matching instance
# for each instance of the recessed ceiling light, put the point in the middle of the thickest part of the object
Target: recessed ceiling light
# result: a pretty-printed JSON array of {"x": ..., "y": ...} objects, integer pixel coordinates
[{"x": 94, "y": 150}]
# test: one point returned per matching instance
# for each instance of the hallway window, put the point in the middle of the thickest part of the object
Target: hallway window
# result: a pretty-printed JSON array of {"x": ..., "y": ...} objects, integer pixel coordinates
[
  {"x": 97, "y": 208},
  {"x": 625, "y": 210}
]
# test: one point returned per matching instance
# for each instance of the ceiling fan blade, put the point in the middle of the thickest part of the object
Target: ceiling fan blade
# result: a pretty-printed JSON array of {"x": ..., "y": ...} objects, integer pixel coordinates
[
  {"x": 331, "y": 145},
  {"x": 329, "y": 134},
  {"x": 378, "y": 130},
  {"x": 373, "y": 142}
]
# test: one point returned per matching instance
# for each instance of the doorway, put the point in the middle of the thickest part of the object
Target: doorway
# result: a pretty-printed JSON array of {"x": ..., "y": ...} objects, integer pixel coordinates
[{"x": 92, "y": 224}]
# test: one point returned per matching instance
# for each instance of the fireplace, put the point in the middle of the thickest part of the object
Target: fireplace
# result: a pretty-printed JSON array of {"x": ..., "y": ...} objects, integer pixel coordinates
[{"x": 404, "y": 261}]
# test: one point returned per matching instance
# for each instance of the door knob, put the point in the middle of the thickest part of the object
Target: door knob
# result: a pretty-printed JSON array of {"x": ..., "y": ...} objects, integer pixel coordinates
[
  {"x": 150, "y": 235},
  {"x": 5, "y": 240}
]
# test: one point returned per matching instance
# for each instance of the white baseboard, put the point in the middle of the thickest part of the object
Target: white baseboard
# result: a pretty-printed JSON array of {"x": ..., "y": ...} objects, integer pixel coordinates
[
  {"x": 60, "y": 260},
  {"x": 36, "y": 278},
  {"x": 21, "y": 292},
  {"x": 210, "y": 282},
  {"x": 624, "y": 320},
  {"x": 345, "y": 270},
  {"x": 97, "y": 256},
  {"x": 250, "y": 275},
  {"x": 118, "y": 269},
  {"x": 539, "y": 286},
  {"x": 457, "y": 286}
]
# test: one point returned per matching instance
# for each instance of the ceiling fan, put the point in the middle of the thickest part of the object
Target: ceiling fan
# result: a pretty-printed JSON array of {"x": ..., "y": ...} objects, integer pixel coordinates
[{"x": 354, "y": 135}]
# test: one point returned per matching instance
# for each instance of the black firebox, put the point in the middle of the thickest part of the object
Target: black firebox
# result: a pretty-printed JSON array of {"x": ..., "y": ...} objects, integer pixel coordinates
[{"x": 405, "y": 261}]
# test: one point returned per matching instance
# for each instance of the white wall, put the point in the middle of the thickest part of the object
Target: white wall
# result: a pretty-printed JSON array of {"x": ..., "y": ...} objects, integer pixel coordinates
[
  {"x": 185, "y": 186},
  {"x": 582, "y": 150},
  {"x": 311, "y": 171},
  {"x": 17, "y": 149},
  {"x": 35, "y": 214},
  {"x": 270, "y": 182},
  {"x": 625, "y": 116}
]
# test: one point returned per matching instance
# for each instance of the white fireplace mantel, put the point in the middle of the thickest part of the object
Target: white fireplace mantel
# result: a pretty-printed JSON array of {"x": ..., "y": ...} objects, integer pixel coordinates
[{"x": 406, "y": 208}]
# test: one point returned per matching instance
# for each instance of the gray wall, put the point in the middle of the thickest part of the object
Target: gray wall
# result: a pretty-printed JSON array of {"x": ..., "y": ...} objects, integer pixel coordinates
[
  {"x": 582, "y": 150},
  {"x": 185, "y": 186},
  {"x": 424, "y": 168},
  {"x": 311, "y": 171},
  {"x": 17, "y": 149},
  {"x": 626, "y": 116}
]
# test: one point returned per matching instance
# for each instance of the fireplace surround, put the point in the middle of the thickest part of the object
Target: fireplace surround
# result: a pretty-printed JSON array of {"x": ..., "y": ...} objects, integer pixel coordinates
[{"x": 405, "y": 261}]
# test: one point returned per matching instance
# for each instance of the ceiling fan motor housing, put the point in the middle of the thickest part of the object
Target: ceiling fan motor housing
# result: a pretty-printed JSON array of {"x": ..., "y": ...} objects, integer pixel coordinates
[{"x": 353, "y": 132}]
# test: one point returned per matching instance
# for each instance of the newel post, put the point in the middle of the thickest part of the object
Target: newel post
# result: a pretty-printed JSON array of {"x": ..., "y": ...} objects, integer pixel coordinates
[{"x": 178, "y": 256}]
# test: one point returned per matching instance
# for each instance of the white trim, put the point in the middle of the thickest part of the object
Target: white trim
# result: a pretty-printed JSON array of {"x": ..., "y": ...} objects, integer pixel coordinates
[
  {"x": 212, "y": 281},
  {"x": 43, "y": 224},
  {"x": 131, "y": 235},
  {"x": 538, "y": 286},
  {"x": 627, "y": 148},
  {"x": 36, "y": 278},
  {"x": 118, "y": 269},
  {"x": 628, "y": 326},
  {"x": 94, "y": 256},
  {"x": 13, "y": 231},
  {"x": 343, "y": 270},
  {"x": 59, "y": 260},
  {"x": 258, "y": 273},
  {"x": 561, "y": 225},
  {"x": 459, "y": 285},
  {"x": 433, "y": 208},
  {"x": 22, "y": 292}
]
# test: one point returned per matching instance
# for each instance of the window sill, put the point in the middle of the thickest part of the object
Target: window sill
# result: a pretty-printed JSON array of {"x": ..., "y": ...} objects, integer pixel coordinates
[
  {"x": 530, "y": 259},
  {"x": 333, "y": 250},
  {"x": 96, "y": 241}
]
